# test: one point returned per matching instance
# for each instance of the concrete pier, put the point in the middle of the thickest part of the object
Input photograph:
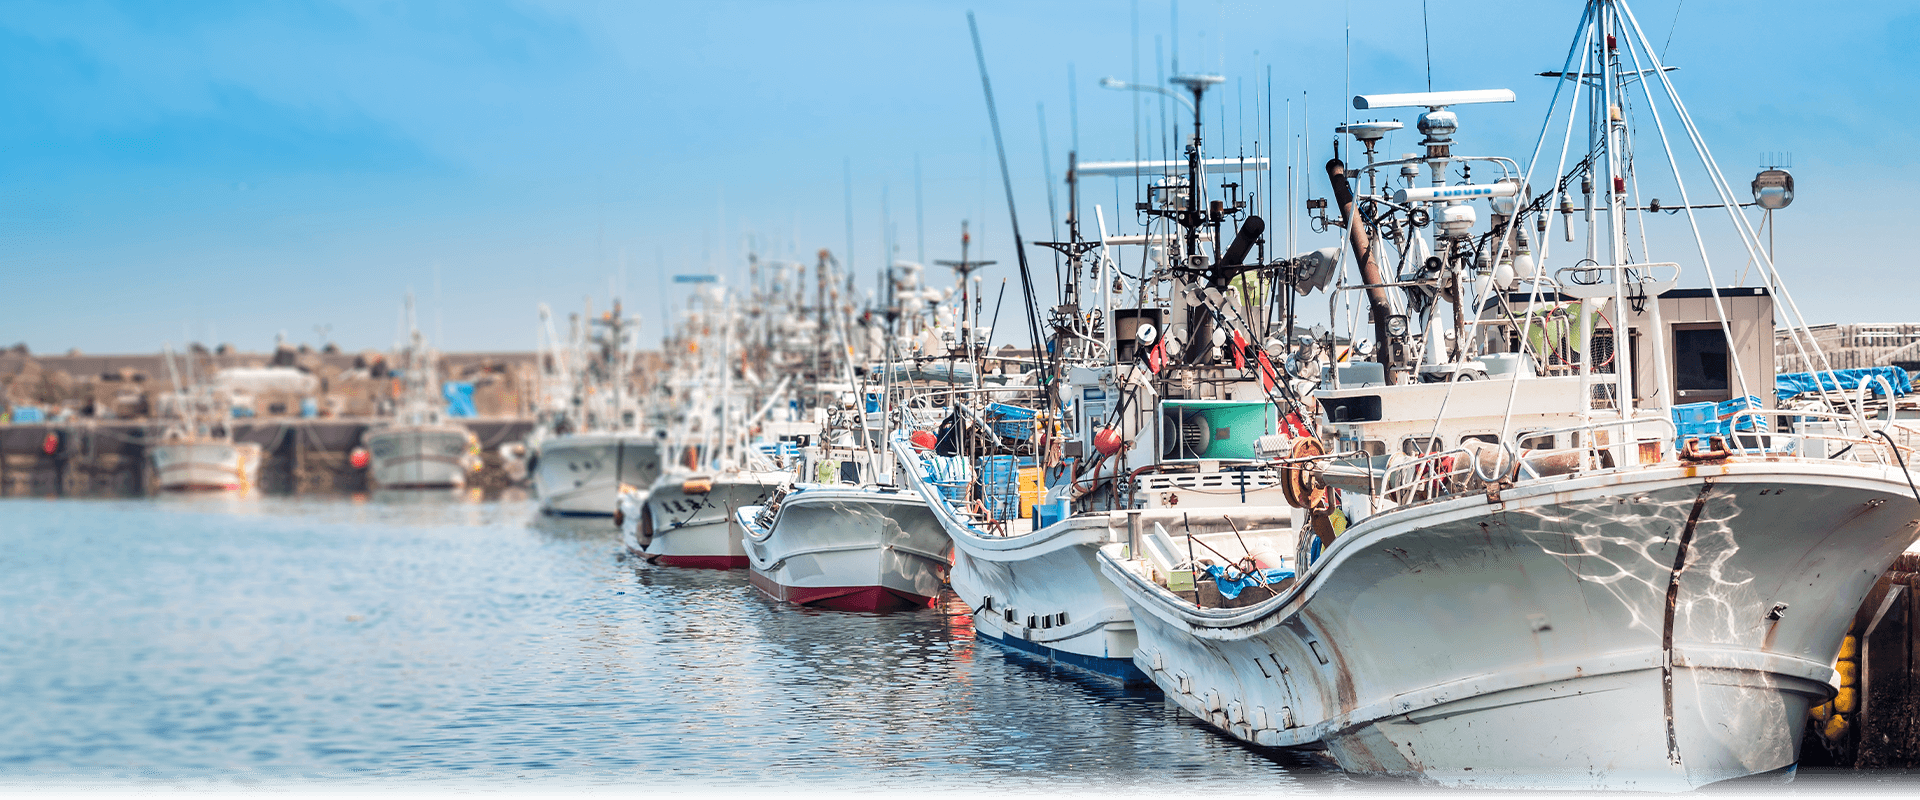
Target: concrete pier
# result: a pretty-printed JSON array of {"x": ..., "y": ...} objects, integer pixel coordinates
[
  {"x": 105, "y": 458},
  {"x": 1875, "y": 723}
]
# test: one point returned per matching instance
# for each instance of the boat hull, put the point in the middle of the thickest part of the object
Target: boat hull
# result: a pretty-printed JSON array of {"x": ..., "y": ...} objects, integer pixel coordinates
[
  {"x": 420, "y": 457},
  {"x": 676, "y": 527},
  {"x": 205, "y": 466},
  {"x": 581, "y": 474},
  {"x": 848, "y": 548},
  {"x": 1040, "y": 589},
  {"x": 1655, "y": 630}
]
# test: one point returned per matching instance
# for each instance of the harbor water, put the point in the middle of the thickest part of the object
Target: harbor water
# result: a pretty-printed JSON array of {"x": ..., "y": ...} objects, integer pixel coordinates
[{"x": 439, "y": 641}]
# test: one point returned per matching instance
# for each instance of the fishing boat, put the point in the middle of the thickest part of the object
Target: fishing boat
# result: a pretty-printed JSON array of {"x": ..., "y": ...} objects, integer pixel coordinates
[
  {"x": 1556, "y": 538},
  {"x": 196, "y": 451},
  {"x": 418, "y": 448},
  {"x": 1144, "y": 407},
  {"x": 850, "y": 538},
  {"x": 686, "y": 517},
  {"x": 596, "y": 442}
]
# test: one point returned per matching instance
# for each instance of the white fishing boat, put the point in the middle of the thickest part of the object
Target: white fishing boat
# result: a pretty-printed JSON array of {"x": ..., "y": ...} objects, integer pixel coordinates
[
  {"x": 595, "y": 443},
  {"x": 849, "y": 538},
  {"x": 1524, "y": 562},
  {"x": 686, "y": 517},
  {"x": 209, "y": 461},
  {"x": 196, "y": 451},
  {"x": 581, "y": 474},
  {"x": 1135, "y": 413},
  {"x": 847, "y": 547},
  {"x": 418, "y": 448}
]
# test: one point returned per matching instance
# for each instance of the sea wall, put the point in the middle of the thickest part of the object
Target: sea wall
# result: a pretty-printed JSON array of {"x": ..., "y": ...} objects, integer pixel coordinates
[{"x": 104, "y": 458}]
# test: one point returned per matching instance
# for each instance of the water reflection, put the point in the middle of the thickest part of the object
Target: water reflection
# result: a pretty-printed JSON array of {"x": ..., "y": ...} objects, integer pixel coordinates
[{"x": 450, "y": 642}]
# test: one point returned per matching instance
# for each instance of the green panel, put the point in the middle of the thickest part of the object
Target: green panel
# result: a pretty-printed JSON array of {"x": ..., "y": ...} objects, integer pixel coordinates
[{"x": 1234, "y": 425}]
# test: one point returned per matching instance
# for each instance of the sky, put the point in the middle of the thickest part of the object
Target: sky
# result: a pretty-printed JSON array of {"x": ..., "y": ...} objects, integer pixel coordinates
[{"x": 233, "y": 172}]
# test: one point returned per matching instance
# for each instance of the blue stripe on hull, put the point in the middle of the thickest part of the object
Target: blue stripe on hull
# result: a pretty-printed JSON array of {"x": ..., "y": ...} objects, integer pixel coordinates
[
  {"x": 558, "y": 513},
  {"x": 1117, "y": 669}
]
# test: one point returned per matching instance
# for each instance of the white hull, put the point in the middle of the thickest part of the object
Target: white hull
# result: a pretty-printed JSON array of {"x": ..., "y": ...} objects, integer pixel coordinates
[
  {"x": 677, "y": 527},
  {"x": 205, "y": 466},
  {"x": 420, "y": 456},
  {"x": 1525, "y": 643},
  {"x": 848, "y": 547},
  {"x": 581, "y": 474},
  {"x": 1041, "y": 591}
]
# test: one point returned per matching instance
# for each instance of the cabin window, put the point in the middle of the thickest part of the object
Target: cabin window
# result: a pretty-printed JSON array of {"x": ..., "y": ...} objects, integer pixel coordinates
[
  {"x": 1364, "y": 408},
  {"x": 1373, "y": 447},
  {"x": 1419, "y": 445},
  {"x": 1701, "y": 364},
  {"x": 1542, "y": 441},
  {"x": 1489, "y": 438}
]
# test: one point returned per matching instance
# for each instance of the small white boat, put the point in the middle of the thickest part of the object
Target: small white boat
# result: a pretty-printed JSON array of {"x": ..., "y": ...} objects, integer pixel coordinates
[
  {"x": 687, "y": 519},
  {"x": 846, "y": 547},
  {"x": 593, "y": 443},
  {"x": 205, "y": 464},
  {"x": 418, "y": 448},
  {"x": 421, "y": 456},
  {"x": 196, "y": 451}
]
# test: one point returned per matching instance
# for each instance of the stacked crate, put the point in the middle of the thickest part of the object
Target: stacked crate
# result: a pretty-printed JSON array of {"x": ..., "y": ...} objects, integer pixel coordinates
[
  {"x": 1013, "y": 423},
  {"x": 1000, "y": 486}
]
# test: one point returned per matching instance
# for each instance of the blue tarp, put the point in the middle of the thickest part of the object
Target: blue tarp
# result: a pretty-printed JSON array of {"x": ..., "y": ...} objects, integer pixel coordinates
[
  {"x": 28, "y": 414},
  {"x": 1230, "y": 588},
  {"x": 1793, "y": 384},
  {"x": 459, "y": 396}
]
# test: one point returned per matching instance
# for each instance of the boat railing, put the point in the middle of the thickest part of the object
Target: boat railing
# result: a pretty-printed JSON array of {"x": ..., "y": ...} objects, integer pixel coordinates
[
  {"x": 1597, "y": 452},
  {"x": 1641, "y": 441},
  {"x": 1587, "y": 280},
  {"x": 1433, "y": 476},
  {"x": 1846, "y": 441}
]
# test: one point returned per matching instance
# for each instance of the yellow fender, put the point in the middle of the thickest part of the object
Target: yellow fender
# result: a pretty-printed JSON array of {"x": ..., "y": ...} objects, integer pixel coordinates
[
  {"x": 1843, "y": 702},
  {"x": 1836, "y": 727}
]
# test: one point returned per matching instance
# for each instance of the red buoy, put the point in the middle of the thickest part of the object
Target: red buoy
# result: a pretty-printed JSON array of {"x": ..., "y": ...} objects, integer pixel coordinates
[
  {"x": 1107, "y": 441},
  {"x": 51, "y": 444},
  {"x": 358, "y": 458},
  {"x": 924, "y": 440}
]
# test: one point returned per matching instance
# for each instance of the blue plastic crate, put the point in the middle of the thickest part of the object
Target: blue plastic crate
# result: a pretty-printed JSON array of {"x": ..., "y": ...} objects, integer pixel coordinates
[
  {"x": 1004, "y": 411},
  {"x": 1725, "y": 411},
  {"x": 1696, "y": 421},
  {"x": 1000, "y": 474},
  {"x": 1015, "y": 429},
  {"x": 1011, "y": 422}
]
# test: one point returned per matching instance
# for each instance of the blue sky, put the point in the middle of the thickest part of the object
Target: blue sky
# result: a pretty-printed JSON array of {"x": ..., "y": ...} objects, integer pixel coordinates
[{"x": 231, "y": 170}]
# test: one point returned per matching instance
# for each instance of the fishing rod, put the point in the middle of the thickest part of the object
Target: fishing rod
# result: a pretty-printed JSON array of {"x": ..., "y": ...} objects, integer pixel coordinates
[{"x": 1019, "y": 245}]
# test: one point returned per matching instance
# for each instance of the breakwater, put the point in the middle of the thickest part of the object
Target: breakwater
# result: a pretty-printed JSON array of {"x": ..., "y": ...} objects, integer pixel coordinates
[{"x": 107, "y": 458}]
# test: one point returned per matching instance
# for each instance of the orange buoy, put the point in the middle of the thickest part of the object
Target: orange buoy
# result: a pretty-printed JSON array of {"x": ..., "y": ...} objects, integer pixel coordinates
[
  {"x": 1107, "y": 441},
  {"x": 924, "y": 440},
  {"x": 359, "y": 458}
]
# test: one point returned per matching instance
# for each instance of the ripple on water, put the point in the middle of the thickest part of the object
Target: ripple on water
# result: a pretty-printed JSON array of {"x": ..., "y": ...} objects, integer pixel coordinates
[{"x": 299, "y": 640}]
